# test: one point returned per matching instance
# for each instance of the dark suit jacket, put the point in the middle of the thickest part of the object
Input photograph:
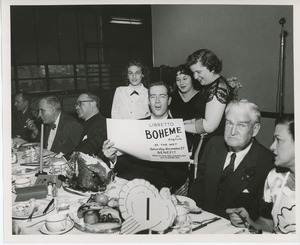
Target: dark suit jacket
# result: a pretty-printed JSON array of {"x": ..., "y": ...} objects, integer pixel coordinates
[
  {"x": 93, "y": 136},
  {"x": 245, "y": 185},
  {"x": 160, "y": 174},
  {"x": 67, "y": 135},
  {"x": 19, "y": 124}
]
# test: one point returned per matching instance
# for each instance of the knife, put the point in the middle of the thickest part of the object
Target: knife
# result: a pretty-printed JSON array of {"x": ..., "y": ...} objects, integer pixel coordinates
[
  {"x": 30, "y": 164},
  {"x": 48, "y": 206},
  {"x": 206, "y": 223}
]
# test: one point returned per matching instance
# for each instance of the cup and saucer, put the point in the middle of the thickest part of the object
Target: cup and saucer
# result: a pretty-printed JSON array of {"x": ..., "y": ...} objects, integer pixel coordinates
[{"x": 57, "y": 224}]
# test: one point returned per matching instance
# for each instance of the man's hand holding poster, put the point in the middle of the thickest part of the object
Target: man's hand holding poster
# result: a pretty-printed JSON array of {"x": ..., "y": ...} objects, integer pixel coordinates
[{"x": 152, "y": 140}]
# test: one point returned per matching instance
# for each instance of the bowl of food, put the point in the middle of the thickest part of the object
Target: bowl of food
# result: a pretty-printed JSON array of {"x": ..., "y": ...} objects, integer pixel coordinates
[{"x": 99, "y": 215}]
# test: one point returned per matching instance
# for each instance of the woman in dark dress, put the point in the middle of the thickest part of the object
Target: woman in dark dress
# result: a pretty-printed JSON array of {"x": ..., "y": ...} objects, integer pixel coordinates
[
  {"x": 216, "y": 92},
  {"x": 187, "y": 102}
]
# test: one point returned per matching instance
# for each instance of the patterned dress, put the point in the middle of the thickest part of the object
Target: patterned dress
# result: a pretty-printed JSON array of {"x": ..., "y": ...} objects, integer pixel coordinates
[
  {"x": 282, "y": 202},
  {"x": 224, "y": 94}
]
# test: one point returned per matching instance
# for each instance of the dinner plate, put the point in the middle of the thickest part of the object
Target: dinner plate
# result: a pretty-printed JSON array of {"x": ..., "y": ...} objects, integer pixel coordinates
[
  {"x": 26, "y": 145},
  {"x": 22, "y": 210},
  {"x": 24, "y": 170},
  {"x": 70, "y": 225},
  {"x": 78, "y": 192},
  {"x": 94, "y": 229},
  {"x": 190, "y": 204},
  {"x": 186, "y": 200}
]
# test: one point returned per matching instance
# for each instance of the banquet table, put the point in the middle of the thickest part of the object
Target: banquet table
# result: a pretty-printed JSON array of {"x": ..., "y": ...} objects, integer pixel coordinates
[{"x": 33, "y": 227}]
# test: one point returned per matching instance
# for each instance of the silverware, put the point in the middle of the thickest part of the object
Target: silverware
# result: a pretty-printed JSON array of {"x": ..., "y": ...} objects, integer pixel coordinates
[
  {"x": 178, "y": 201},
  {"x": 35, "y": 224},
  {"x": 33, "y": 211},
  {"x": 205, "y": 223},
  {"x": 30, "y": 164},
  {"x": 250, "y": 227},
  {"x": 48, "y": 206}
]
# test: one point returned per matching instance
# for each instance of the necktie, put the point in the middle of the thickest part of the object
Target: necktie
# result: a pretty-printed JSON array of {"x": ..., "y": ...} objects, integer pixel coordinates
[
  {"x": 230, "y": 167},
  {"x": 134, "y": 92},
  {"x": 222, "y": 182},
  {"x": 52, "y": 125}
]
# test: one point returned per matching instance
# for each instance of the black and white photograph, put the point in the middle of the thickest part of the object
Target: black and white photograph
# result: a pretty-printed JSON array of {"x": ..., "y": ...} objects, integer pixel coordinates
[{"x": 149, "y": 122}]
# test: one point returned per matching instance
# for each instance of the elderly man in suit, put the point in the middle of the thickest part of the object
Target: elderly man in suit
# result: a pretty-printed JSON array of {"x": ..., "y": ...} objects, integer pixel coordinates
[
  {"x": 161, "y": 174},
  {"x": 62, "y": 131},
  {"x": 233, "y": 168}
]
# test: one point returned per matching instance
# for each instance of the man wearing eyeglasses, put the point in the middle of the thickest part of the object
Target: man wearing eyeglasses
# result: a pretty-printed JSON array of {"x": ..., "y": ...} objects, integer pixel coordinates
[
  {"x": 94, "y": 133},
  {"x": 62, "y": 131}
]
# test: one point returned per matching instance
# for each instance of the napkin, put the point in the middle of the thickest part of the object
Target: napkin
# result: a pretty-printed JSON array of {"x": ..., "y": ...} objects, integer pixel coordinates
[
  {"x": 26, "y": 193},
  {"x": 44, "y": 179}
]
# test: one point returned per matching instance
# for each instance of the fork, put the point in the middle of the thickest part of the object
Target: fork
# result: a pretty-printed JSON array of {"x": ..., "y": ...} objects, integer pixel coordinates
[
  {"x": 33, "y": 211},
  {"x": 178, "y": 201}
]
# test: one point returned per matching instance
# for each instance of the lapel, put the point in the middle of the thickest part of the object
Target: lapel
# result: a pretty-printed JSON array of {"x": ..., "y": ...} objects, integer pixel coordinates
[
  {"x": 46, "y": 135},
  {"x": 214, "y": 169},
  {"x": 240, "y": 180},
  {"x": 59, "y": 134}
]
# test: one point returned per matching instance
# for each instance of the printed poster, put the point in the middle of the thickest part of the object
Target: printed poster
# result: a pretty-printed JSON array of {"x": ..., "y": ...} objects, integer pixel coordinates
[{"x": 152, "y": 140}]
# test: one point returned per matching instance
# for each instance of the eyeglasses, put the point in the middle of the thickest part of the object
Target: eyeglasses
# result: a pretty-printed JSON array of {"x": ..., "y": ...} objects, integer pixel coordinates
[{"x": 79, "y": 103}]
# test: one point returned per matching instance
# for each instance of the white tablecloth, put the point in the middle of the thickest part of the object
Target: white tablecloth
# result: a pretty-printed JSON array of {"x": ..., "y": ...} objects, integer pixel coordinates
[{"x": 23, "y": 227}]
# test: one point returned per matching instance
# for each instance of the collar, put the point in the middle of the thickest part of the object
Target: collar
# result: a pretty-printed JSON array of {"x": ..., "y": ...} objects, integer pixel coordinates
[
  {"x": 243, "y": 153},
  {"x": 165, "y": 117},
  {"x": 91, "y": 118},
  {"x": 57, "y": 120},
  {"x": 136, "y": 88}
]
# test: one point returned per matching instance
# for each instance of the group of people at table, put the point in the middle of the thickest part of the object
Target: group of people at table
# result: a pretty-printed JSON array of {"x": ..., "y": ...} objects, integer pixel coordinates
[{"x": 237, "y": 176}]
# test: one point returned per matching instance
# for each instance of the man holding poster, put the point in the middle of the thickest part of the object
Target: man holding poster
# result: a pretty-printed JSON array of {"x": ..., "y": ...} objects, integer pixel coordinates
[{"x": 169, "y": 166}]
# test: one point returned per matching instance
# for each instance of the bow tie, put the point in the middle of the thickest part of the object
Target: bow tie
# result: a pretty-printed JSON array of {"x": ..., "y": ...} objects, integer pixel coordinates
[
  {"x": 134, "y": 92},
  {"x": 52, "y": 125}
]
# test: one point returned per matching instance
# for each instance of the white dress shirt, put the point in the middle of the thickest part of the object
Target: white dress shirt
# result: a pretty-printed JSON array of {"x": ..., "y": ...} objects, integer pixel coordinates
[
  {"x": 53, "y": 133},
  {"x": 127, "y": 106},
  {"x": 239, "y": 157}
]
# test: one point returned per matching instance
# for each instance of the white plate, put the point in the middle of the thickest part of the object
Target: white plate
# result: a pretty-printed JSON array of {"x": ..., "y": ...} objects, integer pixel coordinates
[
  {"x": 26, "y": 145},
  {"x": 190, "y": 201},
  {"x": 24, "y": 170},
  {"x": 22, "y": 210},
  {"x": 81, "y": 193},
  {"x": 70, "y": 225}
]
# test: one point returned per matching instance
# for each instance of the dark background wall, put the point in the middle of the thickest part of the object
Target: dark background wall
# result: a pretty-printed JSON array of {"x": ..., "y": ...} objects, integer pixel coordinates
[
  {"x": 70, "y": 34},
  {"x": 247, "y": 40}
]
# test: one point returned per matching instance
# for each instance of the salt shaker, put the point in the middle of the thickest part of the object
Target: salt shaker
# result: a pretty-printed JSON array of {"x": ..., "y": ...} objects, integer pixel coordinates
[
  {"x": 49, "y": 188},
  {"x": 54, "y": 190}
]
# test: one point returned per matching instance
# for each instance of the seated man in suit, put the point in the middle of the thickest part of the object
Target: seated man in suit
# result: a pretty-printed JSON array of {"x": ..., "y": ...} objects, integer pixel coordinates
[
  {"x": 160, "y": 174},
  {"x": 22, "y": 116},
  {"x": 233, "y": 168},
  {"x": 62, "y": 131},
  {"x": 94, "y": 133}
]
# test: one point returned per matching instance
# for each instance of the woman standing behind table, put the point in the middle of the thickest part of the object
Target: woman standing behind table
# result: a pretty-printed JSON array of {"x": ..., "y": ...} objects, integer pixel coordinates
[
  {"x": 187, "y": 101},
  {"x": 217, "y": 93},
  {"x": 278, "y": 209},
  {"x": 131, "y": 102}
]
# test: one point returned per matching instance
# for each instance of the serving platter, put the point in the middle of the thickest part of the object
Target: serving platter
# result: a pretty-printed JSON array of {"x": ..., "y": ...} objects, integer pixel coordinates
[
  {"x": 78, "y": 192},
  {"x": 98, "y": 227},
  {"x": 22, "y": 210}
]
